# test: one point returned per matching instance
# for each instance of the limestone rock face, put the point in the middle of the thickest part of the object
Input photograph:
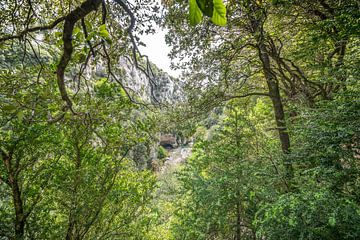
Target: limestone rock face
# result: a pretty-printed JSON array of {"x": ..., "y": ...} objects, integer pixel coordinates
[
  {"x": 168, "y": 89},
  {"x": 159, "y": 88}
]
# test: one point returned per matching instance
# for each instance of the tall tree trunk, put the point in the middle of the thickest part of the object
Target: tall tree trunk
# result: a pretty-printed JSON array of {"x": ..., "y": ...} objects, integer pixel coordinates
[
  {"x": 273, "y": 87},
  {"x": 257, "y": 17},
  {"x": 20, "y": 217}
]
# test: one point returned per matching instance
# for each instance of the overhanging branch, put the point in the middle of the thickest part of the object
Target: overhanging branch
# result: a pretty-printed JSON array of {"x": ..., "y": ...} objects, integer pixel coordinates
[
  {"x": 78, "y": 13},
  {"x": 228, "y": 97},
  {"x": 148, "y": 72},
  {"x": 33, "y": 29}
]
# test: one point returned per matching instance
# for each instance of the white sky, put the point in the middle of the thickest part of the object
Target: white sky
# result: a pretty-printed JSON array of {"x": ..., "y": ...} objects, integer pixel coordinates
[{"x": 157, "y": 51}]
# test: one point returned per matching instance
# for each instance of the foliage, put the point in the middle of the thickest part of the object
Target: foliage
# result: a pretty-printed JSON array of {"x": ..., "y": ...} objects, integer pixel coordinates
[
  {"x": 309, "y": 215},
  {"x": 217, "y": 193},
  {"x": 272, "y": 107},
  {"x": 67, "y": 175},
  {"x": 162, "y": 153},
  {"x": 215, "y": 9},
  {"x": 312, "y": 56}
]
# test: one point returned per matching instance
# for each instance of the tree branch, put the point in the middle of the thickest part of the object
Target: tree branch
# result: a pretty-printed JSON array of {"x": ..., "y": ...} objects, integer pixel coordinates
[
  {"x": 78, "y": 13},
  {"x": 135, "y": 49},
  {"x": 34, "y": 29},
  {"x": 247, "y": 95},
  {"x": 83, "y": 25}
]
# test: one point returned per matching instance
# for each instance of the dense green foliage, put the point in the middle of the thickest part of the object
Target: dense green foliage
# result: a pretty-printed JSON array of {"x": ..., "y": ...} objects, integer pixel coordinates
[
  {"x": 271, "y": 113},
  {"x": 241, "y": 181},
  {"x": 70, "y": 169},
  {"x": 233, "y": 186},
  {"x": 72, "y": 175}
]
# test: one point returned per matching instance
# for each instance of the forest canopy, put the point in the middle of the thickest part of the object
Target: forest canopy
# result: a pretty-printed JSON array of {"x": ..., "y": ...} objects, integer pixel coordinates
[{"x": 259, "y": 138}]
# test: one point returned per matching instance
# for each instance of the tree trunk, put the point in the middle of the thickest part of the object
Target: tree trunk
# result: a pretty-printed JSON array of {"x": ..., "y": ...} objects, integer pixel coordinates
[
  {"x": 257, "y": 17},
  {"x": 71, "y": 233},
  {"x": 19, "y": 210},
  {"x": 274, "y": 92},
  {"x": 20, "y": 217}
]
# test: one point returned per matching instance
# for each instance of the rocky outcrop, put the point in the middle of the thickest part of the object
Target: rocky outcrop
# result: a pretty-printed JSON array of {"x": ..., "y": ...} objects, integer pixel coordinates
[
  {"x": 168, "y": 141},
  {"x": 159, "y": 88},
  {"x": 168, "y": 89}
]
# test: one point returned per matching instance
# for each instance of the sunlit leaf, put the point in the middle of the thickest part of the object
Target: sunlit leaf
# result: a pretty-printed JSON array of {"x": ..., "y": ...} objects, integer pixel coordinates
[
  {"x": 219, "y": 14},
  {"x": 194, "y": 13}
]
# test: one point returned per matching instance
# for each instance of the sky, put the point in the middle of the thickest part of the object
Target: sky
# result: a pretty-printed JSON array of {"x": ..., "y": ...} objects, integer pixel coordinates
[{"x": 157, "y": 51}]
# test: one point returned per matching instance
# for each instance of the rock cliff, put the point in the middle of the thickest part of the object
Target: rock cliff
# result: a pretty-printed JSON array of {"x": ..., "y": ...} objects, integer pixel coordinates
[{"x": 159, "y": 88}]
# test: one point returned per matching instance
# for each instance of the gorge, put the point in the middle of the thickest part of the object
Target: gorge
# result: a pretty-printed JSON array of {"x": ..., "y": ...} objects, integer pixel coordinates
[{"x": 258, "y": 139}]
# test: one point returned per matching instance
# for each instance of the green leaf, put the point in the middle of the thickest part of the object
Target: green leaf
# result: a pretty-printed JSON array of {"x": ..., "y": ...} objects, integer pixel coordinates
[
  {"x": 108, "y": 40},
  {"x": 206, "y": 6},
  {"x": 76, "y": 31},
  {"x": 90, "y": 36},
  {"x": 122, "y": 93},
  {"x": 58, "y": 34},
  {"x": 103, "y": 32},
  {"x": 102, "y": 27},
  {"x": 332, "y": 221},
  {"x": 219, "y": 15},
  {"x": 252, "y": 195},
  {"x": 195, "y": 13}
]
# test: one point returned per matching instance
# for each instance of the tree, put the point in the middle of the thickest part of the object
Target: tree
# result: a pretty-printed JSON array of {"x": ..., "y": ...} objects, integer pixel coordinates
[
  {"x": 255, "y": 55},
  {"x": 67, "y": 168},
  {"x": 28, "y": 26},
  {"x": 220, "y": 184}
]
